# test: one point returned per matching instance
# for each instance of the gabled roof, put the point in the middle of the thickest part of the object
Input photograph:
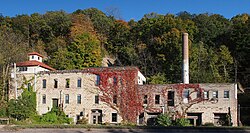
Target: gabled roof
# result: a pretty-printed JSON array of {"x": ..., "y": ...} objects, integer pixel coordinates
[
  {"x": 35, "y": 53},
  {"x": 34, "y": 63}
]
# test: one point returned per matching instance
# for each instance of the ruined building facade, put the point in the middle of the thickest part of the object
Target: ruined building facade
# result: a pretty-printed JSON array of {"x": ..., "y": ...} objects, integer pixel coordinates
[{"x": 113, "y": 94}]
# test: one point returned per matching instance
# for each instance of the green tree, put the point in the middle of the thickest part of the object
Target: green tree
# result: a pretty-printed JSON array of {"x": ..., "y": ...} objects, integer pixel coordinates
[{"x": 24, "y": 107}]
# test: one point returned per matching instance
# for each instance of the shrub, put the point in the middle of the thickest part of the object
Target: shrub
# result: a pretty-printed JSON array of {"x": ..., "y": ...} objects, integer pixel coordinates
[
  {"x": 182, "y": 122},
  {"x": 164, "y": 120},
  {"x": 209, "y": 124},
  {"x": 82, "y": 121},
  {"x": 55, "y": 116}
]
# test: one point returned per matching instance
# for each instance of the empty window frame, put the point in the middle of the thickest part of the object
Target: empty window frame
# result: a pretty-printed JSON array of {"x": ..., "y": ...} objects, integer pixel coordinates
[
  {"x": 157, "y": 99},
  {"x": 44, "y": 83},
  {"x": 29, "y": 86},
  {"x": 215, "y": 94},
  {"x": 67, "y": 83},
  {"x": 226, "y": 94},
  {"x": 170, "y": 98},
  {"x": 55, "y": 83},
  {"x": 115, "y": 99},
  {"x": 79, "y": 99},
  {"x": 115, "y": 81},
  {"x": 98, "y": 79},
  {"x": 145, "y": 99},
  {"x": 79, "y": 82},
  {"x": 44, "y": 99},
  {"x": 96, "y": 99},
  {"x": 66, "y": 98},
  {"x": 186, "y": 93},
  {"x": 114, "y": 117},
  {"x": 206, "y": 94}
]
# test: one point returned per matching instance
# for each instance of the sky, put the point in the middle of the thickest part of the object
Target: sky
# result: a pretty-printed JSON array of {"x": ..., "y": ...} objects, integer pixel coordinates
[{"x": 127, "y": 9}]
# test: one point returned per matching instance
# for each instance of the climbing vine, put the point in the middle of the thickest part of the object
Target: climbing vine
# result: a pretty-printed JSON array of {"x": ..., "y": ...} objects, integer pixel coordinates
[{"x": 119, "y": 90}]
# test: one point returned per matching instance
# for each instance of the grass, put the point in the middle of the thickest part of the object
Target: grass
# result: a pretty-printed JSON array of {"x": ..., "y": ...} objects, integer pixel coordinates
[{"x": 89, "y": 127}]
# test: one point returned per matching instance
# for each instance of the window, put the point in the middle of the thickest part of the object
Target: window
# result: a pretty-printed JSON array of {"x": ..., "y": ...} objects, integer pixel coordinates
[
  {"x": 67, "y": 83},
  {"x": 170, "y": 98},
  {"x": 79, "y": 99},
  {"x": 32, "y": 56},
  {"x": 44, "y": 83},
  {"x": 38, "y": 58},
  {"x": 114, "y": 117},
  {"x": 206, "y": 94},
  {"x": 79, "y": 82},
  {"x": 55, "y": 83},
  {"x": 96, "y": 99},
  {"x": 198, "y": 92},
  {"x": 145, "y": 99},
  {"x": 44, "y": 99},
  {"x": 186, "y": 93},
  {"x": 115, "y": 80},
  {"x": 66, "y": 98},
  {"x": 98, "y": 78},
  {"x": 115, "y": 99},
  {"x": 226, "y": 94},
  {"x": 215, "y": 94},
  {"x": 29, "y": 86},
  {"x": 157, "y": 99},
  {"x": 23, "y": 69}
]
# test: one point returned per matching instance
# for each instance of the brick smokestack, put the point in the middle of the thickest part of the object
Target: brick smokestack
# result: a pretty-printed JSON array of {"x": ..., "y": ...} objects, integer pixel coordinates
[{"x": 185, "y": 65}]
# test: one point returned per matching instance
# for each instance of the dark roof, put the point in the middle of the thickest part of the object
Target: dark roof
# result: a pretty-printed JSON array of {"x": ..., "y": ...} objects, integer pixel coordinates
[
  {"x": 35, "y": 53},
  {"x": 34, "y": 63}
]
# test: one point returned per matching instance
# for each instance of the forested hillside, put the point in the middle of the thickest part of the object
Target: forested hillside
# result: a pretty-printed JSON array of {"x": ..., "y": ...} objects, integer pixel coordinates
[{"x": 219, "y": 48}]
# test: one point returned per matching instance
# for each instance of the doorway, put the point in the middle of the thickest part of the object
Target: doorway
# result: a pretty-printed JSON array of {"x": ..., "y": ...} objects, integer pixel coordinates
[
  {"x": 96, "y": 116},
  {"x": 55, "y": 103}
]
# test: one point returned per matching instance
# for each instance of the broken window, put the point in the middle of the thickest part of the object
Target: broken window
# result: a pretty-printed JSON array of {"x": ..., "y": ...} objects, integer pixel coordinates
[
  {"x": 170, "y": 98},
  {"x": 215, "y": 94},
  {"x": 145, "y": 99},
  {"x": 206, "y": 94},
  {"x": 79, "y": 82},
  {"x": 98, "y": 79},
  {"x": 79, "y": 99},
  {"x": 114, "y": 117},
  {"x": 67, "y": 83},
  {"x": 96, "y": 99},
  {"x": 66, "y": 98},
  {"x": 44, "y": 99},
  {"x": 226, "y": 94},
  {"x": 55, "y": 83},
  {"x": 115, "y": 99},
  {"x": 157, "y": 99},
  {"x": 44, "y": 83}
]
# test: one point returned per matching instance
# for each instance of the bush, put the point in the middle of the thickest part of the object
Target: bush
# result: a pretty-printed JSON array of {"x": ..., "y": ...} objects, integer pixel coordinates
[
  {"x": 55, "y": 116},
  {"x": 164, "y": 120},
  {"x": 182, "y": 122},
  {"x": 209, "y": 124},
  {"x": 82, "y": 121}
]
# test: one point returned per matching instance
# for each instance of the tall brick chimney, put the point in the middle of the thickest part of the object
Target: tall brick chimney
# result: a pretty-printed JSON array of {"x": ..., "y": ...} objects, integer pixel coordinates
[{"x": 185, "y": 65}]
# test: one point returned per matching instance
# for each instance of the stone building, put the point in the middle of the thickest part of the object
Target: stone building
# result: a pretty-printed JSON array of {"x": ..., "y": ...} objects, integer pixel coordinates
[
  {"x": 77, "y": 92},
  {"x": 210, "y": 103},
  {"x": 89, "y": 93}
]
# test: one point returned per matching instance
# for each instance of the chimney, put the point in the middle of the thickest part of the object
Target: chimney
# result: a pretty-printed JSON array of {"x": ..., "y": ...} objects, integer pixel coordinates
[{"x": 185, "y": 65}]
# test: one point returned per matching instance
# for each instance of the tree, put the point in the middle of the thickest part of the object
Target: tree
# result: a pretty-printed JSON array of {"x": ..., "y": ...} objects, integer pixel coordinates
[
  {"x": 25, "y": 106},
  {"x": 13, "y": 49},
  {"x": 83, "y": 51}
]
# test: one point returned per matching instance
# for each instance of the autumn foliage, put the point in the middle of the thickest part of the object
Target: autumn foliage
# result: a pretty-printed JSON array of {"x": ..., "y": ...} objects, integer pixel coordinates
[{"x": 119, "y": 90}]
